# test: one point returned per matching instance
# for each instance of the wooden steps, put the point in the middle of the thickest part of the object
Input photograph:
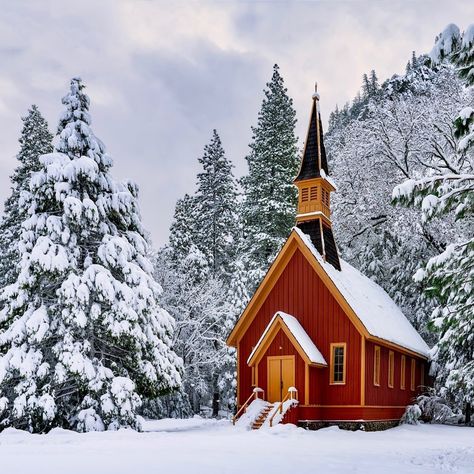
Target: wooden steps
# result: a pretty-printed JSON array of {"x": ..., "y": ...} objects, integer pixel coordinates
[{"x": 257, "y": 424}]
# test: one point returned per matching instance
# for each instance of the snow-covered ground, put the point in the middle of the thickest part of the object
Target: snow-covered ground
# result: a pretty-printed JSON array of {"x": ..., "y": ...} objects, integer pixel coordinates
[{"x": 207, "y": 446}]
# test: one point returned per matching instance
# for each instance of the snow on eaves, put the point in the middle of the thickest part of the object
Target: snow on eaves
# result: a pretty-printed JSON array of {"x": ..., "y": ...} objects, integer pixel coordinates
[
  {"x": 298, "y": 332},
  {"x": 373, "y": 306}
]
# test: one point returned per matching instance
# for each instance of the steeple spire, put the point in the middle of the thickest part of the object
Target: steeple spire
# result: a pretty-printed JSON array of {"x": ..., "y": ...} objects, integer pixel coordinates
[
  {"x": 314, "y": 154},
  {"x": 314, "y": 187}
]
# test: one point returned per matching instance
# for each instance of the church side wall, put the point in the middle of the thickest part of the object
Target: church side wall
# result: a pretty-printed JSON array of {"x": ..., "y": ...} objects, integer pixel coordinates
[{"x": 384, "y": 395}]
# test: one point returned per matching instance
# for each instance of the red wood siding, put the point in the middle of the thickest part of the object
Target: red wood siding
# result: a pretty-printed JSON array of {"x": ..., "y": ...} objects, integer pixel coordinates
[
  {"x": 349, "y": 413},
  {"x": 291, "y": 416},
  {"x": 384, "y": 395},
  {"x": 300, "y": 292}
]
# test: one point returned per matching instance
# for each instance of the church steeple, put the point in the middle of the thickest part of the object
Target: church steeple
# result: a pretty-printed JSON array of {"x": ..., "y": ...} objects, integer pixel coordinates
[
  {"x": 314, "y": 188},
  {"x": 314, "y": 154}
]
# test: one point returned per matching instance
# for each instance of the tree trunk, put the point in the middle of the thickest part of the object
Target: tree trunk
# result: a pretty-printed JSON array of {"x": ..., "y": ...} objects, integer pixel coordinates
[
  {"x": 215, "y": 389},
  {"x": 215, "y": 405},
  {"x": 468, "y": 413}
]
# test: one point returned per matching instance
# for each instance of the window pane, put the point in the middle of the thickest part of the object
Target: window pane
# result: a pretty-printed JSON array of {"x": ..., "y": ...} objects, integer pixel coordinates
[{"x": 338, "y": 368}]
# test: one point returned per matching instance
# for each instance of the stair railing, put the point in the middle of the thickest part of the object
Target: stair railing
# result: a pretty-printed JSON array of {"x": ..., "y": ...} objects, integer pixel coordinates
[
  {"x": 292, "y": 391},
  {"x": 243, "y": 408}
]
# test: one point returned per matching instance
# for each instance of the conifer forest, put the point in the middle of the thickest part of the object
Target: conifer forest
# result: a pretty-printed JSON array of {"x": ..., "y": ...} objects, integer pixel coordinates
[{"x": 147, "y": 283}]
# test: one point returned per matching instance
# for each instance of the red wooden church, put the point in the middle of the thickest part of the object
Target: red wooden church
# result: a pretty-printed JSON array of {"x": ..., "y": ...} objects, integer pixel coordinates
[{"x": 317, "y": 324}]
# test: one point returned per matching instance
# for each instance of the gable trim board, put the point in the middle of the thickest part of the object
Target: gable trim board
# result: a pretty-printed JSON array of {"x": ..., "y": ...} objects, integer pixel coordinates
[
  {"x": 299, "y": 241},
  {"x": 297, "y": 336}
]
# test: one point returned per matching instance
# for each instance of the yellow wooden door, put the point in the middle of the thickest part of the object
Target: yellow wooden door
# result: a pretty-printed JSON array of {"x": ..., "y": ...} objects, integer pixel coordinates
[
  {"x": 274, "y": 378},
  {"x": 281, "y": 376},
  {"x": 287, "y": 374}
]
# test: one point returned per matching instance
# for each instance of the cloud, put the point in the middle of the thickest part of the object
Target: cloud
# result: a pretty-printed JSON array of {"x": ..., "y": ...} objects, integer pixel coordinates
[{"x": 163, "y": 74}]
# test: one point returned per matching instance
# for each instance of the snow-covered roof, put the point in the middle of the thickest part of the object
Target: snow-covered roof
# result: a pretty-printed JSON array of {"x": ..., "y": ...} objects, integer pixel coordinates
[
  {"x": 298, "y": 332},
  {"x": 373, "y": 306}
]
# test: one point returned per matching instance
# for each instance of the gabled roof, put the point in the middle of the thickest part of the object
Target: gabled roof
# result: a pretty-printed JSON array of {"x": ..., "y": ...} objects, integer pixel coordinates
[
  {"x": 314, "y": 154},
  {"x": 368, "y": 306},
  {"x": 297, "y": 335},
  {"x": 379, "y": 314}
]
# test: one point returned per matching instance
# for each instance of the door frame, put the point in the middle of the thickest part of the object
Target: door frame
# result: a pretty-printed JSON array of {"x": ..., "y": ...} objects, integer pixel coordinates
[{"x": 282, "y": 357}]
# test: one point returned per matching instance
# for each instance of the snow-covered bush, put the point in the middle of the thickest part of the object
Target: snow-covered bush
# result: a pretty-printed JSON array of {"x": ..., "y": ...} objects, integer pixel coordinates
[
  {"x": 412, "y": 415},
  {"x": 431, "y": 408}
]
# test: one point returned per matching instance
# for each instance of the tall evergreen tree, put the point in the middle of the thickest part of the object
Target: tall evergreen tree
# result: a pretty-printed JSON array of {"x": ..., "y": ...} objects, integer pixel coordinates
[
  {"x": 366, "y": 87},
  {"x": 196, "y": 271},
  {"x": 85, "y": 338},
  {"x": 216, "y": 199},
  {"x": 269, "y": 205},
  {"x": 35, "y": 140},
  {"x": 374, "y": 82},
  {"x": 183, "y": 228}
]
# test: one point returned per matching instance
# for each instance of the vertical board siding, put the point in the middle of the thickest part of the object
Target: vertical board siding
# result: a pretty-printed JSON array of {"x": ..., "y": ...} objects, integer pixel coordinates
[
  {"x": 383, "y": 395},
  {"x": 300, "y": 292}
]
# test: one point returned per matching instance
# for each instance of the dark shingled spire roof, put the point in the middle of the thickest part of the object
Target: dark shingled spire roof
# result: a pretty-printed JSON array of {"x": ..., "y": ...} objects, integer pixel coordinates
[
  {"x": 314, "y": 156},
  {"x": 314, "y": 159}
]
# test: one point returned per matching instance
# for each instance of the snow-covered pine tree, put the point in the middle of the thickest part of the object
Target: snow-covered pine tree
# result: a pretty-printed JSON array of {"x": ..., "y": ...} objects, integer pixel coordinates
[
  {"x": 216, "y": 216},
  {"x": 374, "y": 82},
  {"x": 269, "y": 205},
  {"x": 35, "y": 140},
  {"x": 183, "y": 228},
  {"x": 449, "y": 190},
  {"x": 86, "y": 337},
  {"x": 366, "y": 87}
]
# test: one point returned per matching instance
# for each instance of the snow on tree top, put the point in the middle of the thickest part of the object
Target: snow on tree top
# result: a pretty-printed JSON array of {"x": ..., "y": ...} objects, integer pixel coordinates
[
  {"x": 445, "y": 42},
  {"x": 301, "y": 336},
  {"x": 373, "y": 306},
  {"x": 468, "y": 36}
]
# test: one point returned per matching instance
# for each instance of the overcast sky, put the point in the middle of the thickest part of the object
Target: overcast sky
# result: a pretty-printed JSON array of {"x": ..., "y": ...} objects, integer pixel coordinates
[{"x": 162, "y": 74}]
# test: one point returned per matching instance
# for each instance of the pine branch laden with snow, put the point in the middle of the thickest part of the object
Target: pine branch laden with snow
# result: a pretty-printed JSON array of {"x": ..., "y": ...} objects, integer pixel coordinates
[
  {"x": 431, "y": 408},
  {"x": 84, "y": 337},
  {"x": 35, "y": 140},
  {"x": 448, "y": 189},
  {"x": 458, "y": 48},
  {"x": 270, "y": 198}
]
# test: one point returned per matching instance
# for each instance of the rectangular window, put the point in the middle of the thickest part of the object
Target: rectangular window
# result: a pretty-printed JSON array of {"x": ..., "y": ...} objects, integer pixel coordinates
[
  {"x": 391, "y": 368},
  {"x": 412, "y": 374},
  {"x": 377, "y": 365},
  {"x": 402, "y": 372},
  {"x": 304, "y": 194},
  {"x": 422, "y": 375},
  {"x": 313, "y": 193},
  {"x": 338, "y": 363}
]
